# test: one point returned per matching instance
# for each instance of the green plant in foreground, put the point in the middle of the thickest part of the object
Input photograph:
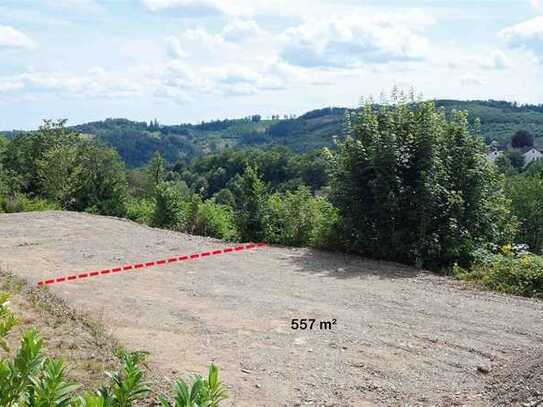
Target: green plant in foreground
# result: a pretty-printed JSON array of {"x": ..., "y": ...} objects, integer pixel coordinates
[
  {"x": 7, "y": 321},
  {"x": 31, "y": 379},
  {"x": 202, "y": 393},
  {"x": 125, "y": 387}
]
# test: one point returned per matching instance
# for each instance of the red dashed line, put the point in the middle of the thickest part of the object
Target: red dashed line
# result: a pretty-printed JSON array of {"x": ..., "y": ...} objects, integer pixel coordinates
[{"x": 193, "y": 256}]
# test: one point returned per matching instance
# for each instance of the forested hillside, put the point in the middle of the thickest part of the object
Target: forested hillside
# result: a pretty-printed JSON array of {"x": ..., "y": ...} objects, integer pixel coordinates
[
  {"x": 137, "y": 141},
  {"x": 411, "y": 184}
]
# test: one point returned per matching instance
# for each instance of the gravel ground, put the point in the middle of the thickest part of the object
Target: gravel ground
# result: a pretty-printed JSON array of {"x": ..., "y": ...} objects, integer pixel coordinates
[{"x": 402, "y": 337}]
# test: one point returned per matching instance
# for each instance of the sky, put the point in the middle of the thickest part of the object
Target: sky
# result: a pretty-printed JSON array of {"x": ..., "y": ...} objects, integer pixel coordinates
[{"x": 191, "y": 60}]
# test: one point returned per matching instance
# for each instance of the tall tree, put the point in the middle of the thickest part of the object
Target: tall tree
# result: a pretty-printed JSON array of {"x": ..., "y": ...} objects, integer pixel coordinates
[
  {"x": 3, "y": 176},
  {"x": 102, "y": 185},
  {"x": 59, "y": 172},
  {"x": 155, "y": 170},
  {"x": 252, "y": 195},
  {"x": 412, "y": 185},
  {"x": 28, "y": 149},
  {"x": 526, "y": 193},
  {"x": 522, "y": 138}
]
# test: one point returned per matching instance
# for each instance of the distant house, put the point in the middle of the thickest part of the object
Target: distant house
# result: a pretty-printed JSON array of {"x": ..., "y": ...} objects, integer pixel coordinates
[
  {"x": 493, "y": 155},
  {"x": 531, "y": 155}
]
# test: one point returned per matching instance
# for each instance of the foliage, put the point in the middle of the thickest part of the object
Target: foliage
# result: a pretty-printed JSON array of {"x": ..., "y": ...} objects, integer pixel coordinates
[
  {"x": 251, "y": 199},
  {"x": 54, "y": 163},
  {"x": 515, "y": 158},
  {"x": 169, "y": 211},
  {"x": 505, "y": 167},
  {"x": 512, "y": 270},
  {"x": 24, "y": 153},
  {"x": 59, "y": 173},
  {"x": 3, "y": 175},
  {"x": 155, "y": 171},
  {"x": 7, "y": 321},
  {"x": 225, "y": 197},
  {"x": 140, "y": 210},
  {"x": 102, "y": 186},
  {"x": 124, "y": 387},
  {"x": 31, "y": 379},
  {"x": 136, "y": 142},
  {"x": 526, "y": 194},
  {"x": 522, "y": 138},
  {"x": 298, "y": 219},
  {"x": 412, "y": 185},
  {"x": 21, "y": 203},
  {"x": 215, "y": 220},
  {"x": 207, "y": 392}
]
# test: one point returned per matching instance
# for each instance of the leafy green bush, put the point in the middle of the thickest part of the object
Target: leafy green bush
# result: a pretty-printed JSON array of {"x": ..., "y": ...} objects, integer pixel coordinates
[
  {"x": 140, "y": 210},
  {"x": 250, "y": 206},
  {"x": 326, "y": 232},
  {"x": 225, "y": 197},
  {"x": 215, "y": 220},
  {"x": 169, "y": 211},
  {"x": 512, "y": 270},
  {"x": 22, "y": 203},
  {"x": 412, "y": 185},
  {"x": 124, "y": 387},
  {"x": 297, "y": 219},
  {"x": 525, "y": 192}
]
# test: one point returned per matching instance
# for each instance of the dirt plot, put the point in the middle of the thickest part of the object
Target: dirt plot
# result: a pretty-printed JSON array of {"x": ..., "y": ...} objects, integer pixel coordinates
[{"x": 402, "y": 337}]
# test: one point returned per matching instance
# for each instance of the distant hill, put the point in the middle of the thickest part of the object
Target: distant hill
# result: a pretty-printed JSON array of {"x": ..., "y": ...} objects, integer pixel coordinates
[{"x": 136, "y": 141}]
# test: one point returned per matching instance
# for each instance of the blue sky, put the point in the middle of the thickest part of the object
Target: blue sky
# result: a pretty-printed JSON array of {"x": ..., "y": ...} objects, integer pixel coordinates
[{"x": 192, "y": 60}]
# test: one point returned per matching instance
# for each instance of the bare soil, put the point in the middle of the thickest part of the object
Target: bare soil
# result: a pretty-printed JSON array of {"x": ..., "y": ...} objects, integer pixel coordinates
[
  {"x": 403, "y": 337},
  {"x": 82, "y": 344}
]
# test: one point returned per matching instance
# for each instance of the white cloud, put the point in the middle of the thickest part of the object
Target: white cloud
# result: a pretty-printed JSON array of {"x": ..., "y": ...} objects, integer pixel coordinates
[
  {"x": 192, "y": 8},
  {"x": 471, "y": 81},
  {"x": 350, "y": 41},
  {"x": 498, "y": 60},
  {"x": 202, "y": 38},
  {"x": 526, "y": 35},
  {"x": 495, "y": 60},
  {"x": 174, "y": 48},
  {"x": 12, "y": 38},
  {"x": 229, "y": 79},
  {"x": 484, "y": 60},
  {"x": 240, "y": 30},
  {"x": 96, "y": 82}
]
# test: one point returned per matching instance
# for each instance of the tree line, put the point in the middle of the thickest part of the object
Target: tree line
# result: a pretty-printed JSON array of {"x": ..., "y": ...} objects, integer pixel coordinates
[{"x": 409, "y": 183}]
